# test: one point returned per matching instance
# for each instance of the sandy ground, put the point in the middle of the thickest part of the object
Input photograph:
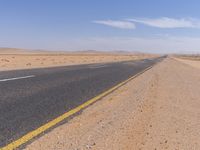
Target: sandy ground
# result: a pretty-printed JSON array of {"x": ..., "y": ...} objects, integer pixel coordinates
[
  {"x": 12, "y": 59},
  {"x": 155, "y": 111},
  {"x": 193, "y": 63}
]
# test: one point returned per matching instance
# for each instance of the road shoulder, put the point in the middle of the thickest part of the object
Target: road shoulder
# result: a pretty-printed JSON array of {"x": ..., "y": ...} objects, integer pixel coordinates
[{"x": 149, "y": 112}]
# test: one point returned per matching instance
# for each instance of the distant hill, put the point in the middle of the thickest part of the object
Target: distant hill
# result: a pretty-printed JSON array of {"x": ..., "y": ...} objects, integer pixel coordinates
[{"x": 5, "y": 50}]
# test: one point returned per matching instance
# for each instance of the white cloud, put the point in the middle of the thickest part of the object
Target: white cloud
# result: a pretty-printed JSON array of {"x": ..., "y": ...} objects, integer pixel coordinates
[
  {"x": 166, "y": 22},
  {"x": 116, "y": 24},
  {"x": 158, "y": 44}
]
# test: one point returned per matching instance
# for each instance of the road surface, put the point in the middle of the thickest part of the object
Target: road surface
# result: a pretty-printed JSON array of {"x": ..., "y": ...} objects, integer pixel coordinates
[{"x": 31, "y": 98}]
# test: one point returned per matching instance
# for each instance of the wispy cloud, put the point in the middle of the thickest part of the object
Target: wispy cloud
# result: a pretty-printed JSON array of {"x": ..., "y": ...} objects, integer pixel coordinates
[
  {"x": 165, "y": 22},
  {"x": 157, "y": 44},
  {"x": 116, "y": 24}
]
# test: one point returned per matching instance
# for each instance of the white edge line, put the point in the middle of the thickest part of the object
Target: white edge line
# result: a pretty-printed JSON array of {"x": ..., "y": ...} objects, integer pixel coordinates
[{"x": 17, "y": 78}]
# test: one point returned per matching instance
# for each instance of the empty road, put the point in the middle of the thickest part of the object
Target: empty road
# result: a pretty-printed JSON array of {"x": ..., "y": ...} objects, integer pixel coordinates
[{"x": 31, "y": 98}]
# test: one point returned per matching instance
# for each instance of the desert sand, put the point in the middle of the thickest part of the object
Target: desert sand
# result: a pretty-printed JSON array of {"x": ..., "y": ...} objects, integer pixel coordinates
[
  {"x": 157, "y": 110},
  {"x": 194, "y": 63},
  {"x": 12, "y": 59}
]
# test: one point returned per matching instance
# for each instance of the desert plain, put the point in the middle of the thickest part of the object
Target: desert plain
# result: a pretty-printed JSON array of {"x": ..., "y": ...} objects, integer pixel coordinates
[
  {"x": 13, "y": 59},
  {"x": 157, "y": 110}
]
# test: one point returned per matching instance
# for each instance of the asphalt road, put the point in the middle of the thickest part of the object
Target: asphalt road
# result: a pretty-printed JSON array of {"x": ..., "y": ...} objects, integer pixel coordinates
[{"x": 31, "y": 98}]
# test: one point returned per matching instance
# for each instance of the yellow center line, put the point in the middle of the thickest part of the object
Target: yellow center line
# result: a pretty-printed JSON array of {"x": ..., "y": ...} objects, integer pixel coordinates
[{"x": 27, "y": 137}]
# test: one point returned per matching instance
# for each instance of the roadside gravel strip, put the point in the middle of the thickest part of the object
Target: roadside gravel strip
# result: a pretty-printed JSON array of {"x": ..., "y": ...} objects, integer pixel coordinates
[{"x": 157, "y": 110}]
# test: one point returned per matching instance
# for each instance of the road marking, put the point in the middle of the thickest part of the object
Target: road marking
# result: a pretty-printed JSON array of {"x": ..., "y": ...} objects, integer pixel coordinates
[
  {"x": 16, "y": 78},
  {"x": 27, "y": 137},
  {"x": 94, "y": 67}
]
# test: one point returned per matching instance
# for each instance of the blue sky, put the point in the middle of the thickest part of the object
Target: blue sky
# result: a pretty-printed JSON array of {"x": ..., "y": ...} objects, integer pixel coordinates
[{"x": 135, "y": 25}]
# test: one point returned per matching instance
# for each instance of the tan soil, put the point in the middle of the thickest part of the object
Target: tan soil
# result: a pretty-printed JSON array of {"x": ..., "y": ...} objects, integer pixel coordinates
[
  {"x": 14, "y": 59},
  {"x": 27, "y": 61},
  {"x": 193, "y": 63},
  {"x": 155, "y": 111}
]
